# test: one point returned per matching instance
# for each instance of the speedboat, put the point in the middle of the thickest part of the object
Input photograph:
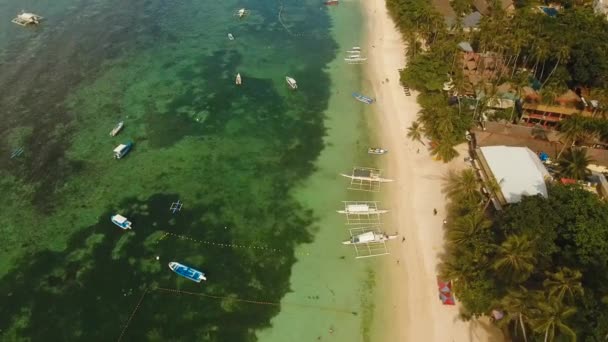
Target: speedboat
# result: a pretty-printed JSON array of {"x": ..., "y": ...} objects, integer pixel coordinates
[
  {"x": 117, "y": 129},
  {"x": 238, "y": 79},
  {"x": 241, "y": 13},
  {"x": 122, "y": 149},
  {"x": 331, "y": 2},
  {"x": 187, "y": 272},
  {"x": 292, "y": 83},
  {"x": 230, "y": 36},
  {"x": 121, "y": 221},
  {"x": 363, "y": 98},
  {"x": 376, "y": 150},
  {"x": 369, "y": 237},
  {"x": 25, "y": 19}
]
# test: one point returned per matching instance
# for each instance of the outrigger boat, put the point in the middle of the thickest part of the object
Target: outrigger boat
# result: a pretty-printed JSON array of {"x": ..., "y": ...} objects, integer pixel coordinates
[
  {"x": 121, "y": 221},
  {"x": 292, "y": 83},
  {"x": 187, "y": 272},
  {"x": 230, "y": 36},
  {"x": 122, "y": 149},
  {"x": 365, "y": 174},
  {"x": 117, "y": 129},
  {"x": 362, "y": 98},
  {"x": 356, "y": 58},
  {"x": 369, "y": 237},
  {"x": 238, "y": 79},
  {"x": 25, "y": 19},
  {"x": 361, "y": 209},
  {"x": 376, "y": 150}
]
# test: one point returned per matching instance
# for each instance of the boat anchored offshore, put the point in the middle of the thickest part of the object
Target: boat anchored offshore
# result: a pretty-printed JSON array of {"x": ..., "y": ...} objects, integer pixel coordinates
[
  {"x": 187, "y": 272},
  {"x": 376, "y": 150},
  {"x": 241, "y": 13},
  {"x": 117, "y": 129},
  {"x": 238, "y": 80},
  {"x": 331, "y": 2},
  {"x": 25, "y": 19},
  {"x": 230, "y": 36},
  {"x": 369, "y": 237},
  {"x": 121, "y": 221},
  {"x": 362, "y": 98},
  {"x": 361, "y": 209},
  {"x": 122, "y": 149},
  {"x": 292, "y": 83}
]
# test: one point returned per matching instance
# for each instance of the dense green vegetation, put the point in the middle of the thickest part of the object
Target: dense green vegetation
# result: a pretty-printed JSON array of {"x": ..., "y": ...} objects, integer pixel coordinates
[
  {"x": 542, "y": 262},
  {"x": 556, "y": 53}
]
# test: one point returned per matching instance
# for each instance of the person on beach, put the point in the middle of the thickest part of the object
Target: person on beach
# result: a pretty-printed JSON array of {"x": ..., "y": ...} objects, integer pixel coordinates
[
  {"x": 403, "y": 239},
  {"x": 434, "y": 211}
]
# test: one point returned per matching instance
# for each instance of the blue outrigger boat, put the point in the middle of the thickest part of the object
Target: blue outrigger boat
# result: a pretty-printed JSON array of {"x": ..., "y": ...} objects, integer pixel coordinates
[
  {"x": 187, "y": 272},
  {"x": 363, "y": 98},
  {"x": 122, "y": 149}
]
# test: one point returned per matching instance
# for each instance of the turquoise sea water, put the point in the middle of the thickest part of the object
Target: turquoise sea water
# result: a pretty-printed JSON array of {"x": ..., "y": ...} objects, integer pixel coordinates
[{"x": 232, "y": 155}]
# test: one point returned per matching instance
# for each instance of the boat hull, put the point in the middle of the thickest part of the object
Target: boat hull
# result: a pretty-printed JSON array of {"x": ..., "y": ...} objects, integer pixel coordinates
[{"x": 187, "y": 272}]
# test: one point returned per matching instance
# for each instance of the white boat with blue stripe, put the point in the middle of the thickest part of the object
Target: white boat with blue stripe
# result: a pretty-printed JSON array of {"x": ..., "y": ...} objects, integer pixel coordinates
[
  {"x": 122, "y": 150},
  {"x": 121, "y": 221},
  {"x": 187, "y": 272}
]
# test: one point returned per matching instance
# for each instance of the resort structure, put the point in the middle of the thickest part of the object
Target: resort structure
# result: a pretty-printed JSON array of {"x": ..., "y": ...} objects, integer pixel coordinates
[{"x": 516, "y": 170}]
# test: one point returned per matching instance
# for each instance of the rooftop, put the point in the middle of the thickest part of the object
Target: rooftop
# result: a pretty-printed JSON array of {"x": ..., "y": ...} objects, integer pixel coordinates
[{"x": 518, "y": 171}]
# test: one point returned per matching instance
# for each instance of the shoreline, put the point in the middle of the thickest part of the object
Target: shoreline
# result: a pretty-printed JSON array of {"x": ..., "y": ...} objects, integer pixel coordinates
[{"x": 411, "y": 310}]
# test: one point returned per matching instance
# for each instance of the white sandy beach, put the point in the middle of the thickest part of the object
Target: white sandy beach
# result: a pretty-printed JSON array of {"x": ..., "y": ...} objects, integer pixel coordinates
[{"x": 416, "y": 314}]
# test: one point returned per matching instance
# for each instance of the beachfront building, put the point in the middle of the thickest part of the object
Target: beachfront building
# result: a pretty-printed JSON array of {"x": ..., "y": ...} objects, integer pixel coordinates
[
  {"x": 545, "y": 115},
  {"x": 516, "y": 170}
]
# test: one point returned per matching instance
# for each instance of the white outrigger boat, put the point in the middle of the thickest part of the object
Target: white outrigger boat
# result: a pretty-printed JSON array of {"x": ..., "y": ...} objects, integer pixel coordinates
[
  {"x": 230, "y": 36},
  {"x": 369, "y": 237},
  {"x": 25, "y": 19},
  {"x": 291, "y": 82},
  {"x": 117, "y": 129},
  {"x": 361, "y": 209},
  {"x": 238, "y": 79},
  {"x": 376, "y": 150},
  {"x": 367, "y": 175}
]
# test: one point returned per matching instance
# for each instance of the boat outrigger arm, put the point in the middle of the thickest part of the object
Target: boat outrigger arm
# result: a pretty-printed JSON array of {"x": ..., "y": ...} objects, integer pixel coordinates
[{"x": 373, "y": 178}]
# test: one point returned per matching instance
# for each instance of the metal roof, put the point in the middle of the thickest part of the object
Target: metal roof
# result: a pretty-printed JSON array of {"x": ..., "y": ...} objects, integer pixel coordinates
[{"x": 517, "y": 170}]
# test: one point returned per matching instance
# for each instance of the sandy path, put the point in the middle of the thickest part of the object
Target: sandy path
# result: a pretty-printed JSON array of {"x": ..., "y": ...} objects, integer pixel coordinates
[{"x": 416, "y": 313}]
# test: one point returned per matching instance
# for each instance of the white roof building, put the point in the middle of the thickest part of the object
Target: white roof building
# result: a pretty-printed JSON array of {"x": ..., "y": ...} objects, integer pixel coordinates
[{"x": 517, "y": 170}]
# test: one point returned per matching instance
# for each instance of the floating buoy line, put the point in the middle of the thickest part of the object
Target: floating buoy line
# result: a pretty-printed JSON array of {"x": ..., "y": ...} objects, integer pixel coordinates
[{"x": 227, "y": 245}]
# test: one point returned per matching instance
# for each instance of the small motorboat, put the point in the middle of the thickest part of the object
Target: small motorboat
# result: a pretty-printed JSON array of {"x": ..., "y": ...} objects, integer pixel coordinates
[
  {"x": 230, "y": 36},
  {"x": 362, "y": 98},
  {"x": 331, "y": 2},
  {"x": 122, "y": 150},
  {"x": 25, "y": 19},
  {"x": 187, "y": 272},
  {"x": 238, "y": 79},
  {"x": 117, "y": 129},
  {"x": 369, "y": 237},
  {"x": 376, "y": 150},
  {"x": 121, "y": 221},
  {"x": 242, "y": 12},
  {"x": 291, "y": 82}
]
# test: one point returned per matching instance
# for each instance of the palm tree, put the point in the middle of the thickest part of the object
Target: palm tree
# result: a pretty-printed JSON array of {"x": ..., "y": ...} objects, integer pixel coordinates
[
  {"x": 518, "y": 306},
  {"x": 515, "y": 258},
  {"x": 563, "y": 54},
  {"x": 465, "y": 228},
  {"x": 571, "y": 129},
  {"x": 564, "y": 282},
  {"x": 573, "y": 164},
  {"x": 414, "y": 132},
  {"x": 461, "y": 184},
  {"x": 551, "y": 317},
  {"x": 444, "y": 150}
]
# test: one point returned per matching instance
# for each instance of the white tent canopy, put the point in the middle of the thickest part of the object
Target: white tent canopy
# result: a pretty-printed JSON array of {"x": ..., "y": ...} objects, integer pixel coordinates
[{"x": 518, "y": 171}]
